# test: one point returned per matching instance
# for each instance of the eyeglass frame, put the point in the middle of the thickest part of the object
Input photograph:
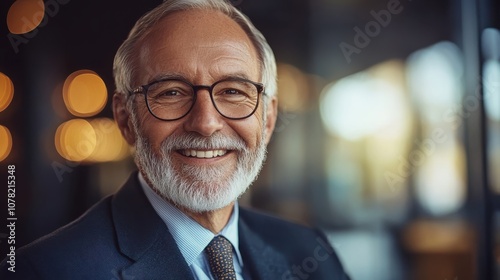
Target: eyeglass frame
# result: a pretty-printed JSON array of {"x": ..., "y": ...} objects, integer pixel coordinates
[{"x": 144, "y": 90}]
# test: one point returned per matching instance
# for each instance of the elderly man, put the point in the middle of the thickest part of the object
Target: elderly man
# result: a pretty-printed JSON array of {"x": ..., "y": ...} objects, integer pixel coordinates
[{"x": 196, "y": 97}]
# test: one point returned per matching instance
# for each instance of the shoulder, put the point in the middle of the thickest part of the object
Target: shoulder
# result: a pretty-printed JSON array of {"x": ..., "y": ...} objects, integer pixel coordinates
[
  {"x": 287, "y": 237},
  {"x": 88, "y": 238},
  {"x": 306, "y": 249},
  {"x": 272, "y": 226},
  {"x": 93, "y": 223}
]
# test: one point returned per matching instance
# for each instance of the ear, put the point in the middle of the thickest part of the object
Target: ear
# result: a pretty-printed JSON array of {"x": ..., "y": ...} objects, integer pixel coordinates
[
  {"x": 122, "y": 118},
  {"x": 272, "y": 114}
]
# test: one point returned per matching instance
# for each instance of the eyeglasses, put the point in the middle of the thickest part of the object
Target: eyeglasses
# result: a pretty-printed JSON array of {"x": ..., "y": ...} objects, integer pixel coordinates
[{"x": 173, "y": 99}]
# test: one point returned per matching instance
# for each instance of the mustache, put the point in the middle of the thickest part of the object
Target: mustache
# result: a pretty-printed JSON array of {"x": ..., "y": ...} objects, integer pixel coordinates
[{"x": 193, "y": 141}]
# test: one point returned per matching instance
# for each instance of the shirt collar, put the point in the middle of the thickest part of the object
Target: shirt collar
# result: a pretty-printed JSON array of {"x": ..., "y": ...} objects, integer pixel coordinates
[{"x": 191, "y": 237}]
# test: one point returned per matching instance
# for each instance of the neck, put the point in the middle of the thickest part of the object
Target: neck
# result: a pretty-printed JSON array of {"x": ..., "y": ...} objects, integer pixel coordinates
[{"x": 215, "y": 220}]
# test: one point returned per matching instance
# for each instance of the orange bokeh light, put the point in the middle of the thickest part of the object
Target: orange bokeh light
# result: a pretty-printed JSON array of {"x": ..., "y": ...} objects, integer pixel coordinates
[
  {"x": 110, "y": 144},
  {"x": 25, "y": 15},
  {"x": 84, "y": 93},
  {"x": 5, "y": 137},
  {"x": 75, "y": 140},
  {"x": 6, "y": 91}
]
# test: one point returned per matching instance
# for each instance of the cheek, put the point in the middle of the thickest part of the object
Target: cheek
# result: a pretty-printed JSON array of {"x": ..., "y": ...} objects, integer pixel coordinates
[
  {"x": 154, "y": 130},
  {"x": 250, "y": 130}
]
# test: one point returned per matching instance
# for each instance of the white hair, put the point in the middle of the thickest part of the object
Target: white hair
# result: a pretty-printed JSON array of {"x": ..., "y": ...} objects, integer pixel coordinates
[{"x": 125, "y": 63}]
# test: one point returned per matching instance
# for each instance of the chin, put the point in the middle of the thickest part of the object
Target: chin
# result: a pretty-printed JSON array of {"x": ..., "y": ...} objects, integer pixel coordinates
[{"x": 201, "y": 196}]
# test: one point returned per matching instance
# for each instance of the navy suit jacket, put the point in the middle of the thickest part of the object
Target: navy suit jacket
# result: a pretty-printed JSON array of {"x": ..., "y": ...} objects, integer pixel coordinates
[{"x": 122, "y": 237}]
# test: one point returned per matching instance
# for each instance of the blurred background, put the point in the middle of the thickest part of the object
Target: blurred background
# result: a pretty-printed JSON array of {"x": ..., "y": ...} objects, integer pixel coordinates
[{"x": 388, "y": 136}]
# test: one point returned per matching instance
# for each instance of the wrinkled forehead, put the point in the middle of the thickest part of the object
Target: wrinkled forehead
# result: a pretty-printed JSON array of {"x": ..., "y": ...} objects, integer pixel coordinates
[{"x": 193, "y": 36}]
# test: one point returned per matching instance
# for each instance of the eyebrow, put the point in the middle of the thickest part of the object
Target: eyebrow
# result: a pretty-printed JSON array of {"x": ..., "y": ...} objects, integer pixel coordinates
[
  {"x": 165, "y": 76},
  {"x": 176, "y": 76},
  {"x": 240, "y": 75}
]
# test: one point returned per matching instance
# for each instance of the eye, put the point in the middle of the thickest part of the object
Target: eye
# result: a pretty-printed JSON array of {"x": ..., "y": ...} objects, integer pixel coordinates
[
  {"x": 231, "y": 91},
  {"x": 169, "y": 89},
  {"x": 169, "y": 93}
]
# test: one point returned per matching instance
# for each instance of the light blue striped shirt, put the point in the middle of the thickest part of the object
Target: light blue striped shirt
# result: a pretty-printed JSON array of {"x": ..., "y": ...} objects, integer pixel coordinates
[{"x": 192, "y": 238}]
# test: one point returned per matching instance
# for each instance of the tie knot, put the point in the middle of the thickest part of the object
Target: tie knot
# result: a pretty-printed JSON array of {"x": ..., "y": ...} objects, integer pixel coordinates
[{"x": 220, "y": 257}]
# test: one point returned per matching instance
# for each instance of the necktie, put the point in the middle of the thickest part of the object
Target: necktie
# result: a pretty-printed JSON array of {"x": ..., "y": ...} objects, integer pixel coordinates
[{"x": 220, "y": 257}]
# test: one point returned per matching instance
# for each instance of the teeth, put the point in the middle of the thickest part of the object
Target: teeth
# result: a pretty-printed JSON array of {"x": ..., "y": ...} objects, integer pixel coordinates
[{"x": 204, "y": 154}]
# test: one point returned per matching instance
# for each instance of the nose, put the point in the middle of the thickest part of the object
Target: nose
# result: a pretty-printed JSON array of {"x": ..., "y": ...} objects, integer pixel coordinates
[{"x": 203, "y": 119}]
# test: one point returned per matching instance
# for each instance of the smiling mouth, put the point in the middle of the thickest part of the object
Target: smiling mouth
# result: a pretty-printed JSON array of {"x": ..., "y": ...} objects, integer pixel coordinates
[{"x": 203, "y": 153}]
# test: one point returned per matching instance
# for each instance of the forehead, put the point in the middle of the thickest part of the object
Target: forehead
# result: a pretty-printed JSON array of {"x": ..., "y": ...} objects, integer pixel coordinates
[{"x": 191, "y": 39}]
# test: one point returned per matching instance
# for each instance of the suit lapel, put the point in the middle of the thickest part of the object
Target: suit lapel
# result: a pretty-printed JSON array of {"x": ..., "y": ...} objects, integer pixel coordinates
[
  {"x": 144, "y": 238},
  {"x": 262, "y": 260}
]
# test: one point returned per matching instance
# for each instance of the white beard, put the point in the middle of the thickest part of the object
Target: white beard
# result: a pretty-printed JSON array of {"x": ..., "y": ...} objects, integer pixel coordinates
[{"x": 199, "y": 188}]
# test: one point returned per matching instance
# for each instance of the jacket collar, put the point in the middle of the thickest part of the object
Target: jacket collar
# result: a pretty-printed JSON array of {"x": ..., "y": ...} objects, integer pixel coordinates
[
  {"x": 261, "y": 260},
  {"x": 144, "y": 238}
]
